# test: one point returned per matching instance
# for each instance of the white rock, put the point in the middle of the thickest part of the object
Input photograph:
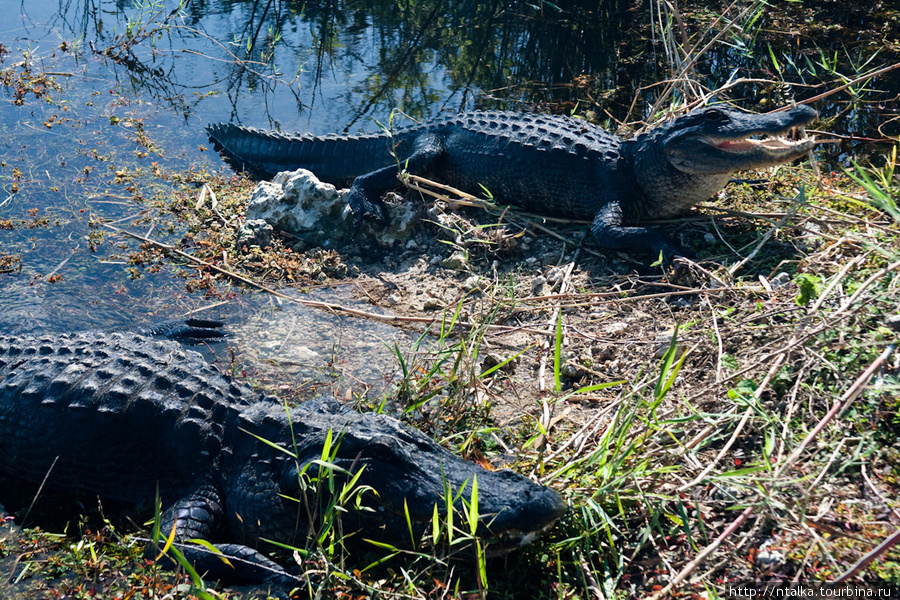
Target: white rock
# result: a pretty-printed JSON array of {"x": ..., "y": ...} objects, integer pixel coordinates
[{"x": 318, "y": 214}]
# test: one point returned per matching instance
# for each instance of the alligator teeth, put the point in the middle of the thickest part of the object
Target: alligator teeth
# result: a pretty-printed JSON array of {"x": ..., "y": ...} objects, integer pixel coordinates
[
  {"x": 778, "y": 143},
  {"x": 798, "y": 132},
  {"x": 770, "y": 143}
]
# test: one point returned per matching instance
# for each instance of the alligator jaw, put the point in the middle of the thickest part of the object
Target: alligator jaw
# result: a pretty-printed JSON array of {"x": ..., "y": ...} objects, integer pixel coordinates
[
  {"x": 797, "y": 141},
  {"x": 730, "y": 148},
  {"x": 781, "y": 147}
]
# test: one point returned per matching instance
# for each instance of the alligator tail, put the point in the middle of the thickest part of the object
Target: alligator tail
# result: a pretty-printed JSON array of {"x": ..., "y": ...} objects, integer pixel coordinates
[{"x": 335, "y": 159}]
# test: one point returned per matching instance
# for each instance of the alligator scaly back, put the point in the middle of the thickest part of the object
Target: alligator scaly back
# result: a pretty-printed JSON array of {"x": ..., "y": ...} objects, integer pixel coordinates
[{"x": 117, "y": 413}]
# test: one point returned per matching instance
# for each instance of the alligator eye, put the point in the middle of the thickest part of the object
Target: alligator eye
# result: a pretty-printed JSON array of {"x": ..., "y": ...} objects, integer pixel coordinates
[
  {"x": 714, "y": 114},
  {"x": 290, "y": 480}
]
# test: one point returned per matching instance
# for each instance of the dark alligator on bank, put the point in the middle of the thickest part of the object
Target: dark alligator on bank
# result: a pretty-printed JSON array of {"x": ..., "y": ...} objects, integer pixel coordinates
[
  {"x": 122, "y": 415},
  {"x": 553, "y": 165}
]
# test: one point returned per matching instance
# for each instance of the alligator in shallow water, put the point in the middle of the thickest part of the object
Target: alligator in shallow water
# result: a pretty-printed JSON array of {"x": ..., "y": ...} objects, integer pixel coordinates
[
  {"x": 549, "y": 164},
  {"x": 124, "y": 416}
]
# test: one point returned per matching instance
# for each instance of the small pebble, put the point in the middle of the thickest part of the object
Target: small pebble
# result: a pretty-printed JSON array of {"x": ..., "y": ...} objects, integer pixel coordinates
[
  {"x": 456, "y": 261},
  {"x": 538, "y": 286},
  {"x": 780, "y": 280}
]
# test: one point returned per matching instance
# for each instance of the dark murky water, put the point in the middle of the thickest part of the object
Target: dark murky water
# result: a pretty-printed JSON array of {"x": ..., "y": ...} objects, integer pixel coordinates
[{"x": 110, "y": 72}]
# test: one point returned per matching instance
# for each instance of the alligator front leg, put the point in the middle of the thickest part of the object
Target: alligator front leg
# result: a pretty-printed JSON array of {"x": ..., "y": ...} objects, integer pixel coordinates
[
  {"x": 196, "y": 517},
  {"x": 608, "y": 230},
  {"x": 188, "y": 331},
  {"x": 366, "y": 191}
]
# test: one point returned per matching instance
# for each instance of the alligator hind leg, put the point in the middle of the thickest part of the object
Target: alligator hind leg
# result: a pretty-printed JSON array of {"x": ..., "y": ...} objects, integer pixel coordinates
[{"x": 366, "y": 191}]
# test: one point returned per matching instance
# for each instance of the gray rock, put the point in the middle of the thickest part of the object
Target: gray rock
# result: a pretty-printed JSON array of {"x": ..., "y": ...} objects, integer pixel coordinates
[
  {"x": 255, "y": 232},
  {"x": 780, "y": 280},
  {"x": 767, "y": 557},
  {"x": 492, "y": 359},
  {"x": 432, "y": 304},
  {"x": 474, "y": 283},
  {"x": 893, "y": 322},
  {"x": 456, "y": 261},
  {"x": 539, "y": 286}
]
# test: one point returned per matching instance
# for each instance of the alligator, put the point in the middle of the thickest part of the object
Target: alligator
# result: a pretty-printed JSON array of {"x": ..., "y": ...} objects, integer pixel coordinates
[
  {"x": 548, "y": 164},
  {"x": 132, "y": 418}
]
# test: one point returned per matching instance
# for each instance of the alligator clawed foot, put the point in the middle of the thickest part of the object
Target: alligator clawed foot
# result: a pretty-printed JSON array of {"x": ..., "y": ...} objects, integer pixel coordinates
[{"x": 364, "y": 208}]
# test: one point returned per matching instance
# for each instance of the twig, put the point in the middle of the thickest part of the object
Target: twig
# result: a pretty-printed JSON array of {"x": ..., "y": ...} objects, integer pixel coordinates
[
  {"x": 581, "y": 435},
  {"x": 773, "y": 370},
  {"x": 837, "y": 279},
  {"x": 39, "y": 490},
  {"x": 690, "y": 61},
  {"x": 850, "y": 83},
  {"x": 334, "y": 308},
  {"x": 461, "y": 198},
  {"x": 876, "y": 491},
  {"x": 704, "y": 433},
  {"x": 719, "y": 345},
  {"x": 63, "y": 263},
  {"x": 839, "y": 406},
  {"x": 789, "y": 413},
  {"x": 796, "y": 340},
  {"x": 547, "y": 411},
  {"x": 616, "y": 297},
  {"x": 592, "y": 584},
  {"x": 689, "y": 568},
  {"x": 827, "y": 467},
  {"x": 877, "y": 276},
  {"x": 863, "y": 562}
]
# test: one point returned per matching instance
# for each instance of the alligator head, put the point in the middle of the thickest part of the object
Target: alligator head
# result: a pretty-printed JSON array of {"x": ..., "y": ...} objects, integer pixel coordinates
[
  {"x": 691, "y": 158},
  {"x": 409, "y": 475},
  {"x": 722, "y": 140}
]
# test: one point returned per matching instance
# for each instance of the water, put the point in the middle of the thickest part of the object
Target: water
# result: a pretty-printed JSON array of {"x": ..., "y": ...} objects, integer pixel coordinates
[{"x": 94, "y": 88}]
